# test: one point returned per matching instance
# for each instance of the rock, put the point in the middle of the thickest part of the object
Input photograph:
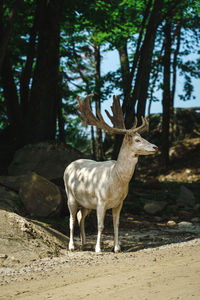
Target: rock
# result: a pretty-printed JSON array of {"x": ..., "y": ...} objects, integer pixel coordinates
[
  {"x": 171, "y": 223},
  {"x": 40, "y": 197},
  {"x": 12, "y": 182},
  {"x": 189, "y": 227},
  {"x": 154, "y": 207},
  {"x": 185, "y": 225},
  {"x": 47, "y": 160},
  {"x": 196, "y": 219},
  {"x": 9, "y": 200},
  {"x": 186, "y": 197}
]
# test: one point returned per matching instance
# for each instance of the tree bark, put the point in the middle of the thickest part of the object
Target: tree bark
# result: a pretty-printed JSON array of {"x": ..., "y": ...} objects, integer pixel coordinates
[
  {"x": 92, "y": 143},
  {"x": 144, "y": 67},
  {"x": 125, "y": 73},
  {"x": 44, "y": 93},
  {"x": 166, "y": 95},
  {"x": 10, "y": 92},
  {"x": 124, "y": 63},
  {"x": 27, "y": 71},
  {"x": 61, "y": 123},
  {"x": 135, "y": 60},
  {"x": 174, "y": 68},
  {"x": 99, "y": 144}
]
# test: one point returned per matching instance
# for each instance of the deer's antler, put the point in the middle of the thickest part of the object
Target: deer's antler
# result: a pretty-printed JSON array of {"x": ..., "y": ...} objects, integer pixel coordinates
[
  {"x": 117, "y": 117},
  {"x": 142, "y": 128},
  {"x": 88, "y": 118}
]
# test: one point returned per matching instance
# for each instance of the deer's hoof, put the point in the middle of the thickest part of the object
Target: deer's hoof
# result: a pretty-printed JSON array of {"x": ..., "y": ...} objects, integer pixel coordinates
[
  {"x": 117, "y": 249},
  {"x": 71, "y": 248},
  {"x": 97, "y": 250}
]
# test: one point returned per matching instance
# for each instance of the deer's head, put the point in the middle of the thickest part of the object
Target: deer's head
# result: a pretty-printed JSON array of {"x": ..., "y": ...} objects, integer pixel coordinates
[{"x": 139, "y": 145}]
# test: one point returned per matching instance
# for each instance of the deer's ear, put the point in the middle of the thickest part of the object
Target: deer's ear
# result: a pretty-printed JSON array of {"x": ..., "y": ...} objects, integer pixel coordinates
[{"x": 128, "y": 138}]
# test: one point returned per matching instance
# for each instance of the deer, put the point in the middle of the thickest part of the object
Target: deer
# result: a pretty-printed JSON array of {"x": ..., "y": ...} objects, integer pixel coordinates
[{"x": 102, "y": 185}]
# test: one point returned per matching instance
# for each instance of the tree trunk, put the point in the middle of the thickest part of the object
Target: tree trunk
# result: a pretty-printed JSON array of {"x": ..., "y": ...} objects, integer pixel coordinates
[
  {"x": 92, "y": 144},
  {"x": 144, "y": 68},
  {"x": 99, "y": 144},
  {"x": 135, "y": 61},
  {"x": 174, "y": 67},
  {"x": 10, "y": 93},
  {"x": 61, "y": 123},
  {"x": 155, "y": 77},
  {"x": 44, "y": 93},
  {"x": 27, "y": 71},
  {"x": 125, "y": 73},
  {"x": 124, "y": 63},
  {"x": 166, "y": 95}
]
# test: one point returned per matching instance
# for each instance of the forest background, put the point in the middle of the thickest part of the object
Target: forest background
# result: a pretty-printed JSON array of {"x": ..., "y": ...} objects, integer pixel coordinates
[{"x": 51, "y": 51}]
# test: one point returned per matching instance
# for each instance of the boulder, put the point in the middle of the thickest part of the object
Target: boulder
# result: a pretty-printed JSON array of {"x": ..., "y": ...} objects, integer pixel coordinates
[
  {"x": 9, "y": 200},
  {"x": 185, "y": 225},
  {"x": 196, "y": 219},
  {"x": 154, "y": 207},
  {"x": 171, "y": 223},
  {"x": 45, "y": 159},
  {"x": 40, "y": 197},
  {"x": 188, "y": 227},
  {"x": 12, "y": 182},
  {"x": 186, "y": 197}
]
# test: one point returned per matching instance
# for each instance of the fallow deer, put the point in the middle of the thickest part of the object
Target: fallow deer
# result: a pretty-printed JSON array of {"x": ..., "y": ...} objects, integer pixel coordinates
[{"x": 104, "y": 185}]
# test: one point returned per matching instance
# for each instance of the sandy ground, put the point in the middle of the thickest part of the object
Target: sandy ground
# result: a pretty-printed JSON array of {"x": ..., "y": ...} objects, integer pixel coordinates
[{"x": 167, "y": 272}]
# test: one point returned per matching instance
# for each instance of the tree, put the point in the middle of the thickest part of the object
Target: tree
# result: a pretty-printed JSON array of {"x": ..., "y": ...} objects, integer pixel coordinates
[
  {"x": 97, "y": 97},
  {"x": 32, "y": 112},
  {"x": 44, "y": 95},
  {"x": 166, "y": 94},
  {"x": 51, "y": 52}
]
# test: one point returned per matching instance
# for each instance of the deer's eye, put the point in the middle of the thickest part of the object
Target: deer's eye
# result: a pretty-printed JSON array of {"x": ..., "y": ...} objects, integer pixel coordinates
[{"x": 137, "y": 140}]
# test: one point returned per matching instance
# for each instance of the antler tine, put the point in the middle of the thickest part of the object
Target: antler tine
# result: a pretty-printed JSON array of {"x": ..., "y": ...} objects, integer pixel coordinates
[
  {"x": 117, "y": 117},
  {"x": 143, "y": 127},
  {"x": 135, "y": 123},
  {"x": 88, "y": 118}
]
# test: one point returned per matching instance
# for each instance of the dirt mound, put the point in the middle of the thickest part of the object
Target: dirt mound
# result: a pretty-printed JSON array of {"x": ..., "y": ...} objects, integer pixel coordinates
[{"x": 23, "y": 240}]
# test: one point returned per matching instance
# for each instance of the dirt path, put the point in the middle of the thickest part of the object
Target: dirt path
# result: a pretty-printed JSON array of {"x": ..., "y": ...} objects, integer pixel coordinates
[{"x": 167, "y": 272}]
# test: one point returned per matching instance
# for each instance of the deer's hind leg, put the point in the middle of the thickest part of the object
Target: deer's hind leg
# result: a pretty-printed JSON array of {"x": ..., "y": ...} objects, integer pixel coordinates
[{"x": 81, "y": 215}]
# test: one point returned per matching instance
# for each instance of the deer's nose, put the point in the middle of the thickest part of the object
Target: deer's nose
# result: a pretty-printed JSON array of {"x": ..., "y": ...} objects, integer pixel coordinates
[{"x": 155, "y": 148}]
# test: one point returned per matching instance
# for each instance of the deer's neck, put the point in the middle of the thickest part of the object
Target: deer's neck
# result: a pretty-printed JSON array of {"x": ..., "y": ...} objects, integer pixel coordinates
[{"x": 126, "y": 162}]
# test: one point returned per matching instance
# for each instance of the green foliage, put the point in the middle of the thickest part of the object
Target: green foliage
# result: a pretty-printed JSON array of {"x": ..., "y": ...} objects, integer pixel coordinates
[{"x": 110, "y": 25}]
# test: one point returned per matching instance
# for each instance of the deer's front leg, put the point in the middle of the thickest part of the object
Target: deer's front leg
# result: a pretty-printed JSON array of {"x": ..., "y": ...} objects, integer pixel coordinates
[
  {"x": 116, "y": 214},
  {"x": 72, "y": 209},
  {"x": 100, "y": 222}
]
